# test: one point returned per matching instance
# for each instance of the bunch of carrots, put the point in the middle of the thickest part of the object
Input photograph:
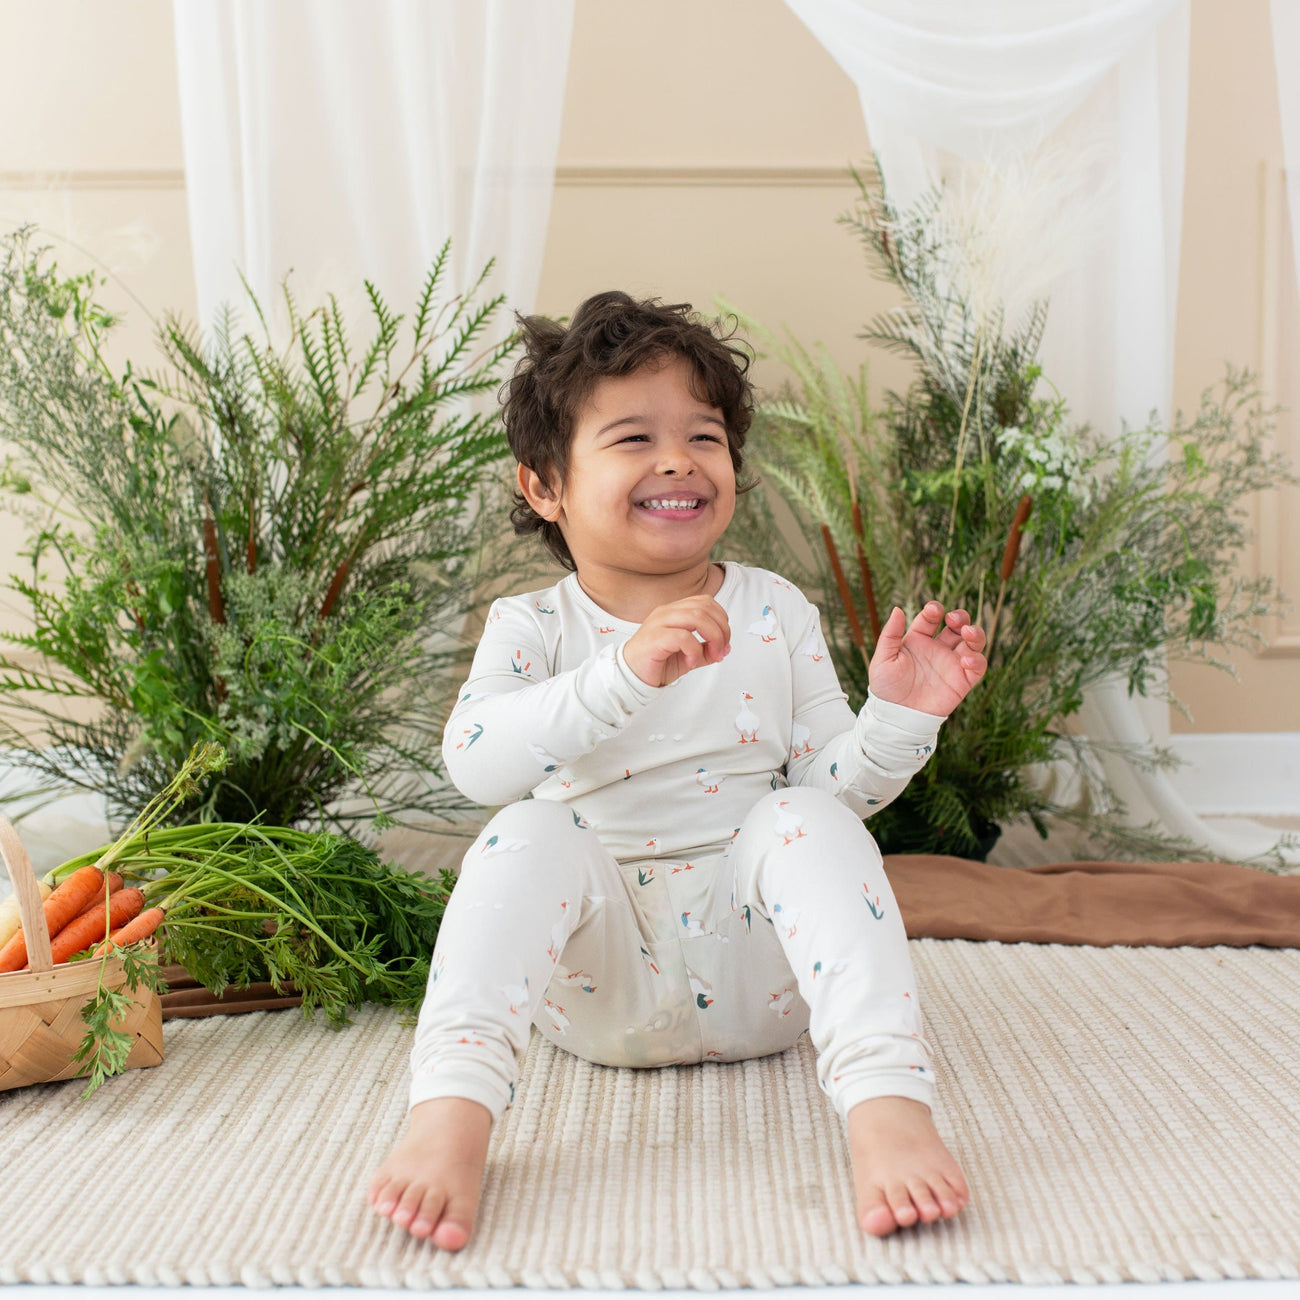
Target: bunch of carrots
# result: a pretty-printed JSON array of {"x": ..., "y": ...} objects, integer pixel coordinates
[
  {"x": 93, "y": 905},
  {"x": 78, "y": 913},
  {"x": 236, "y": 902}
]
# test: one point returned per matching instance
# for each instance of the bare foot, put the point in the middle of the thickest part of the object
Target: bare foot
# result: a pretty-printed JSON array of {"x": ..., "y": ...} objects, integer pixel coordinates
[
  {"x": 901, "y": 1168},
  {"x": 431, "y": 1182}
]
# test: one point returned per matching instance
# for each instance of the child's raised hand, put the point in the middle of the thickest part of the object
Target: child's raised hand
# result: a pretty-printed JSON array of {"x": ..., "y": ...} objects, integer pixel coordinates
[
  {"x": 922, "y": 671},
  {"x": 664, "y": 648}
]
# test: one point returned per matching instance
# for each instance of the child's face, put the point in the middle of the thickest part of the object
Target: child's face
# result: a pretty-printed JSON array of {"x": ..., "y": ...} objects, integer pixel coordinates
[{"x": 676, "y": 447}]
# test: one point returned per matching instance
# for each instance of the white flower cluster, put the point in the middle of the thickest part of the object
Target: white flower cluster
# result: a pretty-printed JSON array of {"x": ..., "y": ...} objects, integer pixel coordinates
[{"x": 1056, "y": 461}]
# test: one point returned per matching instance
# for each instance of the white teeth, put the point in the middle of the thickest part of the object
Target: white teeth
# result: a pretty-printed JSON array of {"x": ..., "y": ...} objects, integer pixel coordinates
[{"x": 671, "y": 505}]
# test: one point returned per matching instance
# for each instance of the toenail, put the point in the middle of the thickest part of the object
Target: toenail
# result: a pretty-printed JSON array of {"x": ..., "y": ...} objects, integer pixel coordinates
[
  {"x": 385, "y": 1207},
  {"x": 421, "y": 1225}
]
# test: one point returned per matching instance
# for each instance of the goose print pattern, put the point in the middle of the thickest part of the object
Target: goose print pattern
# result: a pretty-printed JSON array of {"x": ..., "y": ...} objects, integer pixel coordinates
[{"x": 664, "y": 778}]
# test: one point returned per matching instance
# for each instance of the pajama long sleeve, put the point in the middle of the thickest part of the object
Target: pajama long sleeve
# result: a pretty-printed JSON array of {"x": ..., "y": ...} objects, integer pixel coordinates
[
  {"x": 551, "y": 706},
  {"x": 864, "y": 760}
]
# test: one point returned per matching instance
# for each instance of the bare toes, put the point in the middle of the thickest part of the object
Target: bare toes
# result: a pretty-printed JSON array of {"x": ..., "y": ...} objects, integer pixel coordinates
[
  {"x": 457, "y": 1221},
  {"x": 901, "y": 1202},
  {"x": 450, "y": 1235},
  {"x": 408, "y": 1206},
  {"x": 923, "y": 1198},
  {"x": 426, "y": 1220},
  {"x": 379, "y": 1196},
  {"x": 877, "y": 1218}
]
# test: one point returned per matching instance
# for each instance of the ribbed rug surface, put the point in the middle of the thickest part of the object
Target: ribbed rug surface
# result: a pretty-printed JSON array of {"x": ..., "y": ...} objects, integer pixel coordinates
[{"x": 1120, "y": 1114}]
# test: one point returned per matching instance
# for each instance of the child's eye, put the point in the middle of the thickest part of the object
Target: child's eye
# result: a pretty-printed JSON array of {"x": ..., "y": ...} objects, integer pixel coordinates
[{"x": 712, "y": 437}]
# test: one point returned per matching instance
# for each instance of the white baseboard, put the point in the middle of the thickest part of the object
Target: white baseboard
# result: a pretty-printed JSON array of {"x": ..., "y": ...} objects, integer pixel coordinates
[{"x": 1250, "y": 774}]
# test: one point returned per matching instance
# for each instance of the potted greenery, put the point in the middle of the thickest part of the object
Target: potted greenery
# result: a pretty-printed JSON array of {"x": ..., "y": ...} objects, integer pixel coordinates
[
  {"x": 1083, "y": 553},
  {"x": 269, "y": 551}
]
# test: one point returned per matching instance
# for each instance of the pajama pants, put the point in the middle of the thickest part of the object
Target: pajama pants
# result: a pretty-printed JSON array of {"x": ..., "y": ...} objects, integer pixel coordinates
[{"x": 734, "y": 953}]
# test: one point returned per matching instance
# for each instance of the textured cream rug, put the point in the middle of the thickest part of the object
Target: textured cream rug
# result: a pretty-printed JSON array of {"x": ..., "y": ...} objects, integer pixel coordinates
[{"x": 1121, "y": 1114}]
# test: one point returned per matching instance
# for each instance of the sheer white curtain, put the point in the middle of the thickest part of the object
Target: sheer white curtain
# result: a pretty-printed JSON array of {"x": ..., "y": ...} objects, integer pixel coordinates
[
  {"x": 1286, "y": 60},
  {"x": 348, "y": 141},
  {"x": 948, "y": 86}
]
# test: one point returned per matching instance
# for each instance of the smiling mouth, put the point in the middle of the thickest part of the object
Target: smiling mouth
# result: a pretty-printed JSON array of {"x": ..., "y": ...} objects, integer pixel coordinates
[{"x": 673, "y": 510}]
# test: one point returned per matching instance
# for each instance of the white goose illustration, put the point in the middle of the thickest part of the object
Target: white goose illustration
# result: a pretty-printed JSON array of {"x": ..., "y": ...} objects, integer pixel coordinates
[
  {"x": 787, "y": 918},
  {"x": 789, "y": 825},
  {"x": 812, "y": 645},
  {"x": 695, "y": 928},
  {"x": 495, "y": 844},
  {"x": 765, "y": 627},
  {"x": 799, "y": 736},
  {"x": 746, "y": 722},
  {"x": 701, "y": 989},
  {"x": 548, "y": 760},
  {"x": 555, "y": 1014},
  {"x": 557, "y": 933},
  {"x": 516, "y": 996},
  {"x": 781, "y": 1002},
  {"x": 708, "y": 781},
  {"x": 574, "y": 978}
]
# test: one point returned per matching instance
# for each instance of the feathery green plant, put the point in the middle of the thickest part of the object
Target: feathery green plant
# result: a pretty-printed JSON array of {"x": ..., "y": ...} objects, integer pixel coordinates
[
  {"x": 1127, "y": 552},
  {"x": 271, "y": 551}
]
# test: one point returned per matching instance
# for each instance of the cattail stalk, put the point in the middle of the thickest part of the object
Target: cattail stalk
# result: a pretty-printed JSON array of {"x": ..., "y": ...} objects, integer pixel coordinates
[
  {"x": 1009, "y": 556},
  {"x": 134, "y": 610},
  {"x": 332, "y": 595},
  {"x": 873, "y": 614},
  {"x": 252, "y": 535},
  {"x": 216, "y": 605},
  {"x": 855, "y": 628}
]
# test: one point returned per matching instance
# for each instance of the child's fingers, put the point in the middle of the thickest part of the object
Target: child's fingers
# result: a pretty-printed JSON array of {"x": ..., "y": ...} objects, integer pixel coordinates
[
  {"x": 712, "y": 633},
  {"x": 691, "y": 649},
  {"x": 951, "y": 633},
  {"x": 929, "y": 620}
]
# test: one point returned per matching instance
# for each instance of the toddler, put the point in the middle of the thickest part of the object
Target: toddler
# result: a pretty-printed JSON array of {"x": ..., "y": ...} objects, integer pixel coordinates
[{"x": 691, "y": 880}]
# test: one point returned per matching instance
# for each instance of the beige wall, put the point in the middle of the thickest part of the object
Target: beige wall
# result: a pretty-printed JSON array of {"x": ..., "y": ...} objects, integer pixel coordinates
[{"x": 701, "y": 153}]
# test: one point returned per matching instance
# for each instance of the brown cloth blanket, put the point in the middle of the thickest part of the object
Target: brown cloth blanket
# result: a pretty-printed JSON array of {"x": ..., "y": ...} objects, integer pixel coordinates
[{"x": 1151, "y": 904}]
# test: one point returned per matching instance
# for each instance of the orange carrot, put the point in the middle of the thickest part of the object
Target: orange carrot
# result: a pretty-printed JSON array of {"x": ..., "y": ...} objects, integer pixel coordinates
[
  {"x": 141, "y": 928},
  {"x": 82, "y": 931},
  {"x": 61, "y": 906},
  {"x": 114, "y": 883}
]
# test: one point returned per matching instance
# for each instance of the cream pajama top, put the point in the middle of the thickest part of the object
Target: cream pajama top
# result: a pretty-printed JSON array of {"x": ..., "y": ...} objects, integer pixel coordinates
[{"x": 551, "y": 708}]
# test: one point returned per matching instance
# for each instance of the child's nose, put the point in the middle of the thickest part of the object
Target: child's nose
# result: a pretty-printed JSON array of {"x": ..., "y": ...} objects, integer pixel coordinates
[{"x": 675, "y": 460}]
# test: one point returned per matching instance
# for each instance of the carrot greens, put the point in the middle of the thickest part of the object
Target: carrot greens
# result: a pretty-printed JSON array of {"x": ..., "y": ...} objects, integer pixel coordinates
[{"x": 246, "y": 903}]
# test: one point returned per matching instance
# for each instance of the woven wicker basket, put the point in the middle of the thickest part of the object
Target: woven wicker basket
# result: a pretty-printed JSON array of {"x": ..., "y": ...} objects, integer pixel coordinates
[{"x": 41, "y": 1028}]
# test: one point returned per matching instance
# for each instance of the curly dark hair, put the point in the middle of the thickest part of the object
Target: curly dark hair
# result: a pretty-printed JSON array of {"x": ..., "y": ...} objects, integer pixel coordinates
[{"x": 611, "y": 333}]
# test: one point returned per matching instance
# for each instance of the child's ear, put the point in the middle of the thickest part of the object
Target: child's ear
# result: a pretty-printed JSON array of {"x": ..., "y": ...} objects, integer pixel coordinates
[{"x": 536, "y": 492}]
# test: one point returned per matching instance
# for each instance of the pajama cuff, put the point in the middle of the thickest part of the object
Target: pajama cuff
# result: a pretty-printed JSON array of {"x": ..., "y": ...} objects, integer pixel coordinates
[
  {"x": 916, "y": 1086},
  {"x": 913, "y": 721},
  {"x": 449, "y": 1081},
  {"x": 641, "y": 691}
]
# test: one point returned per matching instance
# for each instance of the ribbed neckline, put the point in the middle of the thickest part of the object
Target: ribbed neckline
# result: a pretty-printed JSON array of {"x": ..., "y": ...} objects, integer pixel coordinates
[{"x": 576, "y": 591}]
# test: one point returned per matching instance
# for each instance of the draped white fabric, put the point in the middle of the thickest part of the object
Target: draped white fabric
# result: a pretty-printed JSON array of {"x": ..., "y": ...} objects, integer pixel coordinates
[
  {"x": 951, "y": 88},
  {"x": 1286, "y": 59},
  {"x": 348, "y": 141}
]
